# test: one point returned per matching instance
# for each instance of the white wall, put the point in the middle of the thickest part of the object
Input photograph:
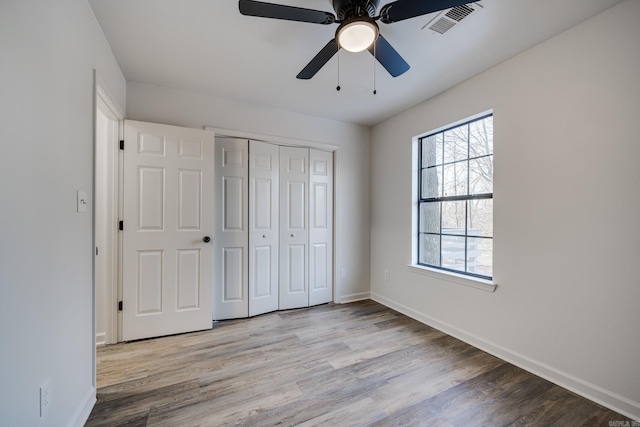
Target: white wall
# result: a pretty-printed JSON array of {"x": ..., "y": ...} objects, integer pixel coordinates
[
  {"x": 161, "y": 105},
  {"x": 48, "y": 53},
  {"x": 567, "y": 234}
]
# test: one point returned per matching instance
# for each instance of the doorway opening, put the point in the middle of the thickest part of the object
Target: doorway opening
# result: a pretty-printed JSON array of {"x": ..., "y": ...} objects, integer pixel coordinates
[{"x": 108, "y": 121}]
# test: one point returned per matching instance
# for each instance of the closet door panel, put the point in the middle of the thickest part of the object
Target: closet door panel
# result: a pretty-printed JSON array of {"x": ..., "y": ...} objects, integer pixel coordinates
[
  {"x": 294, "y": 228},
  {"x": 320, "y": 227},
  {"x": 264, "y": 192},
  {"x": 231, "y": 238}
]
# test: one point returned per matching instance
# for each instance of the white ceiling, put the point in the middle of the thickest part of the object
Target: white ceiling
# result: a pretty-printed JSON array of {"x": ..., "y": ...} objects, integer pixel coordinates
[{"x": 207, "y": 46}]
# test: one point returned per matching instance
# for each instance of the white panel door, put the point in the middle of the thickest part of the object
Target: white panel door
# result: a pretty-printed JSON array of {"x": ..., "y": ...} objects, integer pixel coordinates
[
  {"x": 294, "y": 230},
  {"x": 168, "y": 210},
  {"x": 231, "y": 263},
  {"x": 264, "y": 161},
  {"x": 320, "y": 227}
]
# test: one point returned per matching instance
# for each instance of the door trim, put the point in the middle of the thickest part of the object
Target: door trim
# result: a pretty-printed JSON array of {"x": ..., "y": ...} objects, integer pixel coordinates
[
  {"x": 110, "y": 109},
  {"x": 103, "y": 100},
  {"x": 273, "y": 139}
]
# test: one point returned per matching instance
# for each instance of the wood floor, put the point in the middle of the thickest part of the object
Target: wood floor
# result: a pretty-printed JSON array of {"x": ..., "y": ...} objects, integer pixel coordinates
[{"x": 359, "y": 364}]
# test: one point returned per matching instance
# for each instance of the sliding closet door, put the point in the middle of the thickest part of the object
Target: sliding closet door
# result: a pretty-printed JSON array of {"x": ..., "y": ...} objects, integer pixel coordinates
[
  {"x": 320, "y": 227},
  {"x": 294, "y": 231},
  {"x": 231, "y": 263},
  {"x": 264, "y": 161}
]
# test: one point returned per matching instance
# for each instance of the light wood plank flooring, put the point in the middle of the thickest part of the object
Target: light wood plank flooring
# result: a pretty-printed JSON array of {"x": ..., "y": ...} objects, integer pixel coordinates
[{"x": 359, "y": 364}]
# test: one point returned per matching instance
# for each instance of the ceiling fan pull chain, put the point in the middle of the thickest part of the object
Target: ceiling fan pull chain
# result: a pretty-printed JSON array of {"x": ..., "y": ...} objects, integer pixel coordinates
[
  {"x": 338, "y": 87},
  {"x": 374, "y": 67}
]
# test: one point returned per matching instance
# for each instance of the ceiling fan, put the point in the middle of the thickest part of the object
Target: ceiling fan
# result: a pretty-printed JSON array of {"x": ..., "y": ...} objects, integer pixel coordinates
[{"x": 358, "y": 29}]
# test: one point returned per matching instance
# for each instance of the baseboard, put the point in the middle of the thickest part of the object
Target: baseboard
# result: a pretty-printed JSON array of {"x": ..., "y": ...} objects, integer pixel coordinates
[
  {"x": 101, "y": 338},
  {"x": 81, "y": 415},
  {"x": 595, "y": 393},
  {"x": 361, "y": 296}
]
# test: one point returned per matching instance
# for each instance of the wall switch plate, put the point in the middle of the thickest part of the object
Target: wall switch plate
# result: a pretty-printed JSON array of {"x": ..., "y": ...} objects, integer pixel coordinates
[
  {"x": 82, "y": 201},
  {"x": 386, "y": 275},
  {"x": 45, "y": 397}
]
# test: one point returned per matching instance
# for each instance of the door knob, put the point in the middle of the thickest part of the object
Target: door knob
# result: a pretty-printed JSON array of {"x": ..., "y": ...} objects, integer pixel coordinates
[
  {"x": 293, "y": 235},
  {"x": 264, "y": 236},
  {"x": 206, "y": 239}
]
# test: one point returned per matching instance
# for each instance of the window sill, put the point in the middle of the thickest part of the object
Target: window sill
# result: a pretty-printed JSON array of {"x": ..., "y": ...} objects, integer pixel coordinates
[{"x": 485, "y": 285}]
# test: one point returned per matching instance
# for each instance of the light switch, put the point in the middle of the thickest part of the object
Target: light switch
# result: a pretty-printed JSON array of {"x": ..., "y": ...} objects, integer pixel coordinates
[{"x": 82, "y": 201}]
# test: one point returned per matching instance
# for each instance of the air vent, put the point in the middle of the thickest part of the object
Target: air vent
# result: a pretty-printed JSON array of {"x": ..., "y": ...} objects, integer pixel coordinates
[
  {"x": 458, "y": 13},
  {"x": 442, "y": 25},
  {"x": 447, "y": 19}
]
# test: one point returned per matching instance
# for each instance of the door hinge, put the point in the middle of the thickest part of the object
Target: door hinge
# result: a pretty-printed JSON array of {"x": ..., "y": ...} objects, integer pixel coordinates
[
  {"x": 121, "y": 225},
  {"x": 119, "y": 305},
  {"x": 122, "y": 144}
]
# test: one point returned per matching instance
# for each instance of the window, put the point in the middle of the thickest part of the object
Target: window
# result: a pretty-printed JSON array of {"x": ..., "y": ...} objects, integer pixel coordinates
[{"x": 455, "y": 199}]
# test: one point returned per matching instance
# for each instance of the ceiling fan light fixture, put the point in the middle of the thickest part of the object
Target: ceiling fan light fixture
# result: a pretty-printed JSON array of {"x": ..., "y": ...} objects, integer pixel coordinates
[{"x": 357, "y": 35}]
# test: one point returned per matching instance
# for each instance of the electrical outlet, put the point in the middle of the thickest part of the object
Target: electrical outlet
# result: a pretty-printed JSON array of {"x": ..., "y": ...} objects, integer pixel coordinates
[
  {"x": 45, "y": 397},
  {"x": 386, "y": 275}
]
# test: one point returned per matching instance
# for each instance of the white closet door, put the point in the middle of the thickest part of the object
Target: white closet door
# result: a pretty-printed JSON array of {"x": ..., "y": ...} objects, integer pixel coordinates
[
  {"x": 294, "y": 230},
  {"x": 264, "y": 161},
  {"x": 320, "y": 227},
  {"x": 231, "y": 264},
  {"x": 168, "y": 210}
]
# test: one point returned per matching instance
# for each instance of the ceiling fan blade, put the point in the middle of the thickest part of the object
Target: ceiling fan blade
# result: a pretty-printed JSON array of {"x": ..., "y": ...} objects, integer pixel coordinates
[
  {"x": 388, "y": 57},
  {"x": 404, "y": 9},
  {"x": 290, "y": 13},
  {"x": 319, "y": 60}
]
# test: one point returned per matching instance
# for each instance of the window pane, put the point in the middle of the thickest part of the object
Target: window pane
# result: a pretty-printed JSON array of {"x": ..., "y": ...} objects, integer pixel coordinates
[
  {"x": 432, "y": 182},
  {"x": 455, "y": 144},
  {"x": 453, "y": 252},
  {"x": 481, "y": 175},
  {"x": 480, "y": 217},
  {"x": 481, "y": 137},
  {"x": 430, "y": 217},
  {"x": 432, "y": 150},
  {"x": 479, "y": 256},
  {"x": 430, "y": 250},
  {"x": 455, "y": 179},
  {"x": 453, "y": 217}
]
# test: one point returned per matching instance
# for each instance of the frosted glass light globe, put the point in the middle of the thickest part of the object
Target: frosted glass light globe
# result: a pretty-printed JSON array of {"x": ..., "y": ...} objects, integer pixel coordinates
[{"x": 357, "y": 36}]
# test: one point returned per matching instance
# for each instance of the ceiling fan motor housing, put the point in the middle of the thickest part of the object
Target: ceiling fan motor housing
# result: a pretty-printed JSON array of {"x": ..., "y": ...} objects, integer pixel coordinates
[{"x": 346, "y": 9}]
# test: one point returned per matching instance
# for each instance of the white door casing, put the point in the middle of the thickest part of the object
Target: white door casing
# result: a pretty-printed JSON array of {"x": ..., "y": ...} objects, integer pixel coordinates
[
  {"x": 320, "y": 227},
  {"x": 264, "y": 162},
  {"x": 168, "y": 210},
  {"x": 231, "y": 263},
  {"x": 294, "y": 231}
]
